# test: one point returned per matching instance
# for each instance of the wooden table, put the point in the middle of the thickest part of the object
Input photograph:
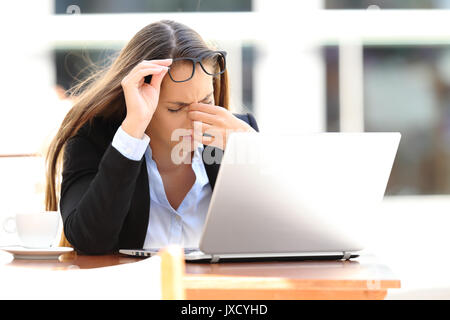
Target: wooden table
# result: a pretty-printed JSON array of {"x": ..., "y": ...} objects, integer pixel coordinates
[{"x": 361, "y": 278}]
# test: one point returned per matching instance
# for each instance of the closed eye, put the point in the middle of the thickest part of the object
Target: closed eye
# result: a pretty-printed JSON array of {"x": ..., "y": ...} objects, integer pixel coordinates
[{"x": 176, "y": 110}]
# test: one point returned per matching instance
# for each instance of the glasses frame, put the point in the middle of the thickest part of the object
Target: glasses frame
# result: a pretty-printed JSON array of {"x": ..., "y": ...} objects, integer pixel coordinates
[{"x": 199, "y": 60}]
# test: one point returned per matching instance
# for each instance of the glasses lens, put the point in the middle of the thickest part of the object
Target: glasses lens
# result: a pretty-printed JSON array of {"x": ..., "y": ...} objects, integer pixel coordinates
[
  {"x": 181, "y": 70},
  {"x": 214, "y": 65}
]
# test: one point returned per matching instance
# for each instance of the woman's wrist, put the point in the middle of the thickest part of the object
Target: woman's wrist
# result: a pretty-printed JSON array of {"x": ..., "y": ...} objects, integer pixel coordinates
[{"x": 135, "y": 128}]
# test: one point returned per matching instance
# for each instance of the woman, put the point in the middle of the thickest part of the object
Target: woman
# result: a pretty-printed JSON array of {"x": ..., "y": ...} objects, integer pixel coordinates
[{"x": 133, "y": 170}]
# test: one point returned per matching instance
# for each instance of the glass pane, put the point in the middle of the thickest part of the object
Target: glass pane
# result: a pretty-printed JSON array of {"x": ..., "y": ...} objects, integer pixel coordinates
[
  {"x": 387, "y": 4},
  {"x": 214, "y": 65},
  {"x": 406, "y": 89},
  {"x": 75, "y": 64},
  {"x": 331, "y": 56},
  {"x": 139, "y": 6},
  {"x": 181, "y": 70},
  {"x": 248, "y": 67}
]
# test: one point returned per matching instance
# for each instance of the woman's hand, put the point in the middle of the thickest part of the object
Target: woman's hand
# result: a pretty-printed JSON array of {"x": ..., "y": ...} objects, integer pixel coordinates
[
  {"x": 141, "y": 98},
  {"x": 217, "y": 122}
]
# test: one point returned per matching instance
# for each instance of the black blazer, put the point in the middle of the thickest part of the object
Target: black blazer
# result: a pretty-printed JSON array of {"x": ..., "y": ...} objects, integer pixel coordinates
[{"x": 105, "y": 199}]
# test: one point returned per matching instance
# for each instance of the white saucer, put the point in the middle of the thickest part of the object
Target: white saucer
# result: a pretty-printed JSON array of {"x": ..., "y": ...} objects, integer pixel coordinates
[{"x": 50, "y": 253}]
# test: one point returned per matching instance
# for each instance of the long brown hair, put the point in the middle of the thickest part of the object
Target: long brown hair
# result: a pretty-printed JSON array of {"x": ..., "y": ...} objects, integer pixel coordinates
[{"x": 101, "y": 94}]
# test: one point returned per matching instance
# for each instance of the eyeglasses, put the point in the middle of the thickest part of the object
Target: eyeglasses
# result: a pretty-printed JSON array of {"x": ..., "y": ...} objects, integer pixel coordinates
[{"x": 213, "y": 63}]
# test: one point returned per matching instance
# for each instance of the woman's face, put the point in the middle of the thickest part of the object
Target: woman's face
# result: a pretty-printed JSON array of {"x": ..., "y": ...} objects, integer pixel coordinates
[{"x": 171, "y": 113}]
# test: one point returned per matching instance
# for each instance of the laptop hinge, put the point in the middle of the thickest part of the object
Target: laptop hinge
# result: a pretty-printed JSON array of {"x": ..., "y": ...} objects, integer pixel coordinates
[
  {"x": 346, "y": 255},
  {"x": 215, "y": 259}
]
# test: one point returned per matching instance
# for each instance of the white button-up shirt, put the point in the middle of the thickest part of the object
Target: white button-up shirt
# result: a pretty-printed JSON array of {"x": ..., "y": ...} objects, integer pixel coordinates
[{"x": 167, "y": 225}]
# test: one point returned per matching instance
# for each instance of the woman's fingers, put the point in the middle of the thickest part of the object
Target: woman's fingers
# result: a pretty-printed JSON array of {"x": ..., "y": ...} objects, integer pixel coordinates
[
  {"x": 163, "y": 62},
  {"x": 204, "y": 117},
  {"x": 201, "y": 128},
  {"x": 208, "y": 134},
  {"x": 133, "y": 80},
  {"x": 154, "y": 71},
  {"x": 157, "y": 78},
  {"x": 206, "y": 108},
  {"x": 151, "y": 63},
  {"x": 157, "y": 68}
]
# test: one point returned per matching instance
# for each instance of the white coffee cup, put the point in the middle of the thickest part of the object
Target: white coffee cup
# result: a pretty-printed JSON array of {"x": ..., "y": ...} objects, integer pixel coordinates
[{"x": 35, "y": 229}]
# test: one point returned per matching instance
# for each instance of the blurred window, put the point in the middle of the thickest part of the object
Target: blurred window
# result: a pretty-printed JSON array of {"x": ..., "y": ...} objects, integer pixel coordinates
[
  {"x": 387, "y": 4},
  {"x": 139, "y": 6},
  {"x": 73, "y": 65},
  {"x": 406, "y": 89}
]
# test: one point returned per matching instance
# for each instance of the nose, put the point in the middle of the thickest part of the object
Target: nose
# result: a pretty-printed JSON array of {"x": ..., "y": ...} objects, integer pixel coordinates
[{"x": 188, "y": 124}]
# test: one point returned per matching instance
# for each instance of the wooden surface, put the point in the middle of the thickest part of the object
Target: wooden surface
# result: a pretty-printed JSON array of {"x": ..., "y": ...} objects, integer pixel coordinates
[
  {"x": 361, "y": 278},
  {"x": 290, "y": 280}
]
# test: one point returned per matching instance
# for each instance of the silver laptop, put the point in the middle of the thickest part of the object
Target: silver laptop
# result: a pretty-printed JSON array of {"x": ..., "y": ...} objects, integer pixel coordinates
[{"x": 290, "y": 197}]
